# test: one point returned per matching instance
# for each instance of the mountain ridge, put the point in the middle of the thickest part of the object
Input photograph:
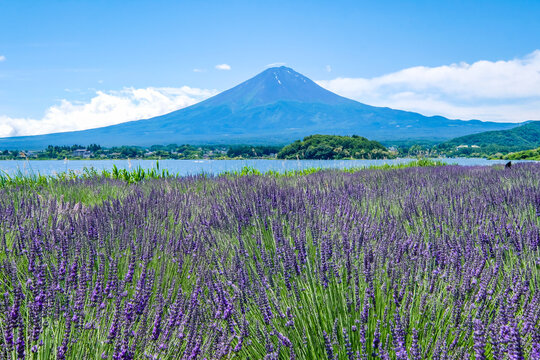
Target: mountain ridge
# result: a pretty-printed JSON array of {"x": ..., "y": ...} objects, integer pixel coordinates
[{"x": 276, "y": 106}]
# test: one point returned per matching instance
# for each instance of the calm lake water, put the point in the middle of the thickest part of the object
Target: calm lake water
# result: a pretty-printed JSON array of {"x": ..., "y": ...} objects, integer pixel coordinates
[{"x": 191, "y": 167}]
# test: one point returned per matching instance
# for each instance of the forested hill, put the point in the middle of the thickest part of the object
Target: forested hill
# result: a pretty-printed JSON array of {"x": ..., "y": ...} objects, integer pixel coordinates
[
  {"x": 533, "y": 154},
  {"x": 334, "y": 147},
  {"x": 522, "y": 137}
]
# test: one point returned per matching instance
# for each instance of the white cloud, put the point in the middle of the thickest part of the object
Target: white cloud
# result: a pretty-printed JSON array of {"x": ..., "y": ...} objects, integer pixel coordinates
[
  {"x": 276, "y": 64},
  {"x": 328, "y": 68},
  {"x": 105, "y": 108},
  {"x": 199, "y": 70},
  {"x": 2, "y": 58},
  {"x": 485, "y": 90},
  {"x": 223, "y": 67}
]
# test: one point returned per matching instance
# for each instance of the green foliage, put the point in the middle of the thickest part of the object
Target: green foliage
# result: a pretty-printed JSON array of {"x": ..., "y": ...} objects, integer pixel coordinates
[
  {"x": 334, "y": 147},
  {"x": 129, "y": 176},
  {"x": 250, "y": 152},
  {"x": 491, "y": 143},
  {"x": 138, "y": 174},
  {"x": 172, "y": 151},
  {"x": 533, "y": 154}
]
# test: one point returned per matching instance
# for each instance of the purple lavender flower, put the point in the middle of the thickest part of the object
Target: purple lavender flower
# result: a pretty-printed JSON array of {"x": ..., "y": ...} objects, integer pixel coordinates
[
  {"x": 328, "y": 345},
  {"x": 348, "y": 346},
  {"x": 479, "y": 340}
]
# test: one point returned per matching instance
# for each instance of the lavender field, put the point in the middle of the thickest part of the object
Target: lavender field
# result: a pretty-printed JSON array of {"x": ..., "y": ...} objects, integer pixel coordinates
[{"x": 415, "y": 263}]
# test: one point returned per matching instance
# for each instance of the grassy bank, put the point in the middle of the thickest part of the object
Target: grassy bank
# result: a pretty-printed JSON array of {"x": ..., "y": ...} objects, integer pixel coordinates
[{"x": 139, "y": 174}]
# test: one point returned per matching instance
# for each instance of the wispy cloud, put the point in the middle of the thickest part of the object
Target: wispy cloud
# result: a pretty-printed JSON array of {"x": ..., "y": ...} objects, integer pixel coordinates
[
  {"x": 276, "y": 64},
  {"x": 328, "y": 68},
  {"x": 223, "y": 67},
  {"x": 105, "y": 108},
  {"x": 2, "y": 58},
  {"x": 199, "y": 70},
  {"x": 486, "y": 90}
]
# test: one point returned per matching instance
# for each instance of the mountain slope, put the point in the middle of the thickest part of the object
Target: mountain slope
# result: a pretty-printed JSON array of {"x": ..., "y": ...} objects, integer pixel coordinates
[
  {"x": 275, "y": 107},
  {"x": 523, "y": 137}
]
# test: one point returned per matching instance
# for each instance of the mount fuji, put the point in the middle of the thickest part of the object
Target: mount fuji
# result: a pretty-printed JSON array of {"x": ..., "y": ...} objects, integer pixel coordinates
[{"x": 276, "y": 106}]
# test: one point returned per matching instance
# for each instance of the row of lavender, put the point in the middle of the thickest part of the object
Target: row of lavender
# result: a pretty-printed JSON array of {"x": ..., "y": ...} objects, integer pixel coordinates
[{"x": 440, "y": 263}]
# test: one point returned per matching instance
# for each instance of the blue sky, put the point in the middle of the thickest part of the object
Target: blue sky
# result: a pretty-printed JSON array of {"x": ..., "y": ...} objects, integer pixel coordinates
[{"x": 63, "y": 64}]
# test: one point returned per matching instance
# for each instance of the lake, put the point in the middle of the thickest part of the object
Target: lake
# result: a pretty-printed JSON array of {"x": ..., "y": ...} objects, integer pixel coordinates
[{"x": 191, "y": 167}]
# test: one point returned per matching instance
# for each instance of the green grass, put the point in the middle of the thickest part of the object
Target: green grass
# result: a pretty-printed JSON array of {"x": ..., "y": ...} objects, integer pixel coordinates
[{"x": 140, "y": 174}]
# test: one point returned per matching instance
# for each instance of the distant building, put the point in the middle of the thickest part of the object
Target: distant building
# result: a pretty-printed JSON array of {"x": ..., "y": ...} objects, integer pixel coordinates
[
  {"x": 28, "y": 154},
  {"x": 84, "y": 153}
]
